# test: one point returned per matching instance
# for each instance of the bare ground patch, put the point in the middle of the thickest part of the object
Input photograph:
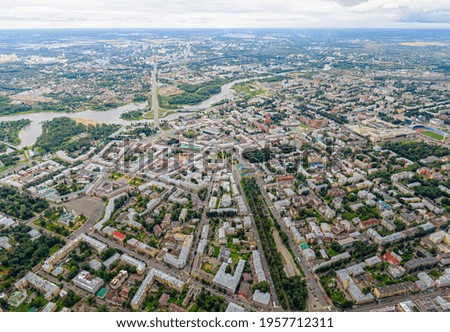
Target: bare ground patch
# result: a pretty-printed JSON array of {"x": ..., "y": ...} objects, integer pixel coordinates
[
  {"x": 288, "y": 261},
  {"x": 169, "y": 90},
  {"x": 91, "y": 207}
]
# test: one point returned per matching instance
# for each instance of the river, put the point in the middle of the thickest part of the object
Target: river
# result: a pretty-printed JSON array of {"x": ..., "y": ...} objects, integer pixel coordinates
[{"x": 30, "y": 133}]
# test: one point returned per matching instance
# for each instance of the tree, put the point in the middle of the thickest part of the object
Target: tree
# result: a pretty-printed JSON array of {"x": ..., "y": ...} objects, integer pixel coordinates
[
  {"x": 335, "y": 246},
  {"x": 70, "y": 299},
  {"x": 263, "y": 286},
  {"x": 366, "y": 290},
  {"x": 91, "y": 300}
]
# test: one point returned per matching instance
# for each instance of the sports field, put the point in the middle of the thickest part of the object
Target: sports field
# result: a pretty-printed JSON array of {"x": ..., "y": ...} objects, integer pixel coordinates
[{"x": 432, "y": 134}]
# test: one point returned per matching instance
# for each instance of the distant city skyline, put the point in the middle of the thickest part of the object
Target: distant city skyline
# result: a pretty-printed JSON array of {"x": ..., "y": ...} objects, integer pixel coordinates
[{"x": 25, "y": 14}]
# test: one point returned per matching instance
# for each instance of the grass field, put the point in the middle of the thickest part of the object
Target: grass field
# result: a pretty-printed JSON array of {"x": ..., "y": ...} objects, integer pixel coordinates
[
  {"x": 115, "y": 176},
  {"x": 207, "y": 267},
  {"x": 247, "y": 90},
  {"x": 136, "y": 182},
  {"x": 432, "y": 134},
  {"x": 302, "y": 127},
  {"x": 5, "y": 168}
]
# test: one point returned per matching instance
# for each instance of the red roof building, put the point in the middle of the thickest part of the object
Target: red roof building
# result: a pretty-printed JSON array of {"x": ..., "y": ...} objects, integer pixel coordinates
[
  {"x": 125, "y": 292},
  {"x": 391, "y": 259},
  {"x": 285, "y": 179},
  {"x": 369, "y": 223},
  {"x": 118, "y": 236}
]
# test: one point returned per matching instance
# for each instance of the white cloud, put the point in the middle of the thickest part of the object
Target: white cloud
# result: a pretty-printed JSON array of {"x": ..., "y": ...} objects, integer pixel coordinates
[
  {"x": 349, "y": 3},
  {"x": 222, "y": 13}
]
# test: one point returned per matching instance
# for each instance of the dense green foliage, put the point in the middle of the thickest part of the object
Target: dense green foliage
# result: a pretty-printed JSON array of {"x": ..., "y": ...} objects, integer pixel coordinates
[
  {"x": 10, "y": 159},
  {"x": 202, "y": 193},
  {"x": 210, "y": 303},
  {"x": 258, "y": 156},
  {"x": 193, "y": 94},
  {"x": 336, "y": 118},
  {"x": 363, "y": 251},
  {"x": 429, "y": 191},
  {"x": 108, "y": 253},
  {"x": 132, "y": 115},
  {"x": 58, "y": 134},
  {"x": 9, "y": 130},
  {"x": 146, "y": 129},
  {"x": 70, "y": 299},
  {"x": 364, "y": 213},
  {"x": 430, "y": 188},
  {"x": 26, "y": 253},
  {"x": 292, "y": 292},
  {"x": 119, "y": 202},
  {"x": 263, "y": 286},
  {"x": 6, "y": 107},
  {"x": 416, "y": 151},
  {"x": 220, "y": 213},
  {"x": 336, "y": 295},
  {"x": 20, "y": 204}
]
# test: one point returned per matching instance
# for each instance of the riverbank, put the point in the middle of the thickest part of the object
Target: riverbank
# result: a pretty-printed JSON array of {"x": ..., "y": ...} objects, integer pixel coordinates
[{"x": 30, "y": 133}]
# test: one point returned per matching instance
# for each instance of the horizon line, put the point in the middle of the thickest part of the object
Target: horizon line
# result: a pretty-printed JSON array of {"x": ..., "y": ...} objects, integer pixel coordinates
[{"x": 232, "y": 28}]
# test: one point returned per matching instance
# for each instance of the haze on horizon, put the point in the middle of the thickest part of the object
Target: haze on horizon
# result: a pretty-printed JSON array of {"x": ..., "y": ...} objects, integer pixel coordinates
[{"x": 26, "y": 14}]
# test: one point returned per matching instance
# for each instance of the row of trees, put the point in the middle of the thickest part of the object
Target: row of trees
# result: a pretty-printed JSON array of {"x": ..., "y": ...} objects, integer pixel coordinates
[
  {"x": 292, "y": 292},
  {"x": 222, "y": 213}
]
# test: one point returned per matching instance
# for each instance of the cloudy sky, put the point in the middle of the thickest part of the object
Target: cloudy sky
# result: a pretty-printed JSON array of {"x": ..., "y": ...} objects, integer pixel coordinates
[{"x": 223, "y": 13}]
